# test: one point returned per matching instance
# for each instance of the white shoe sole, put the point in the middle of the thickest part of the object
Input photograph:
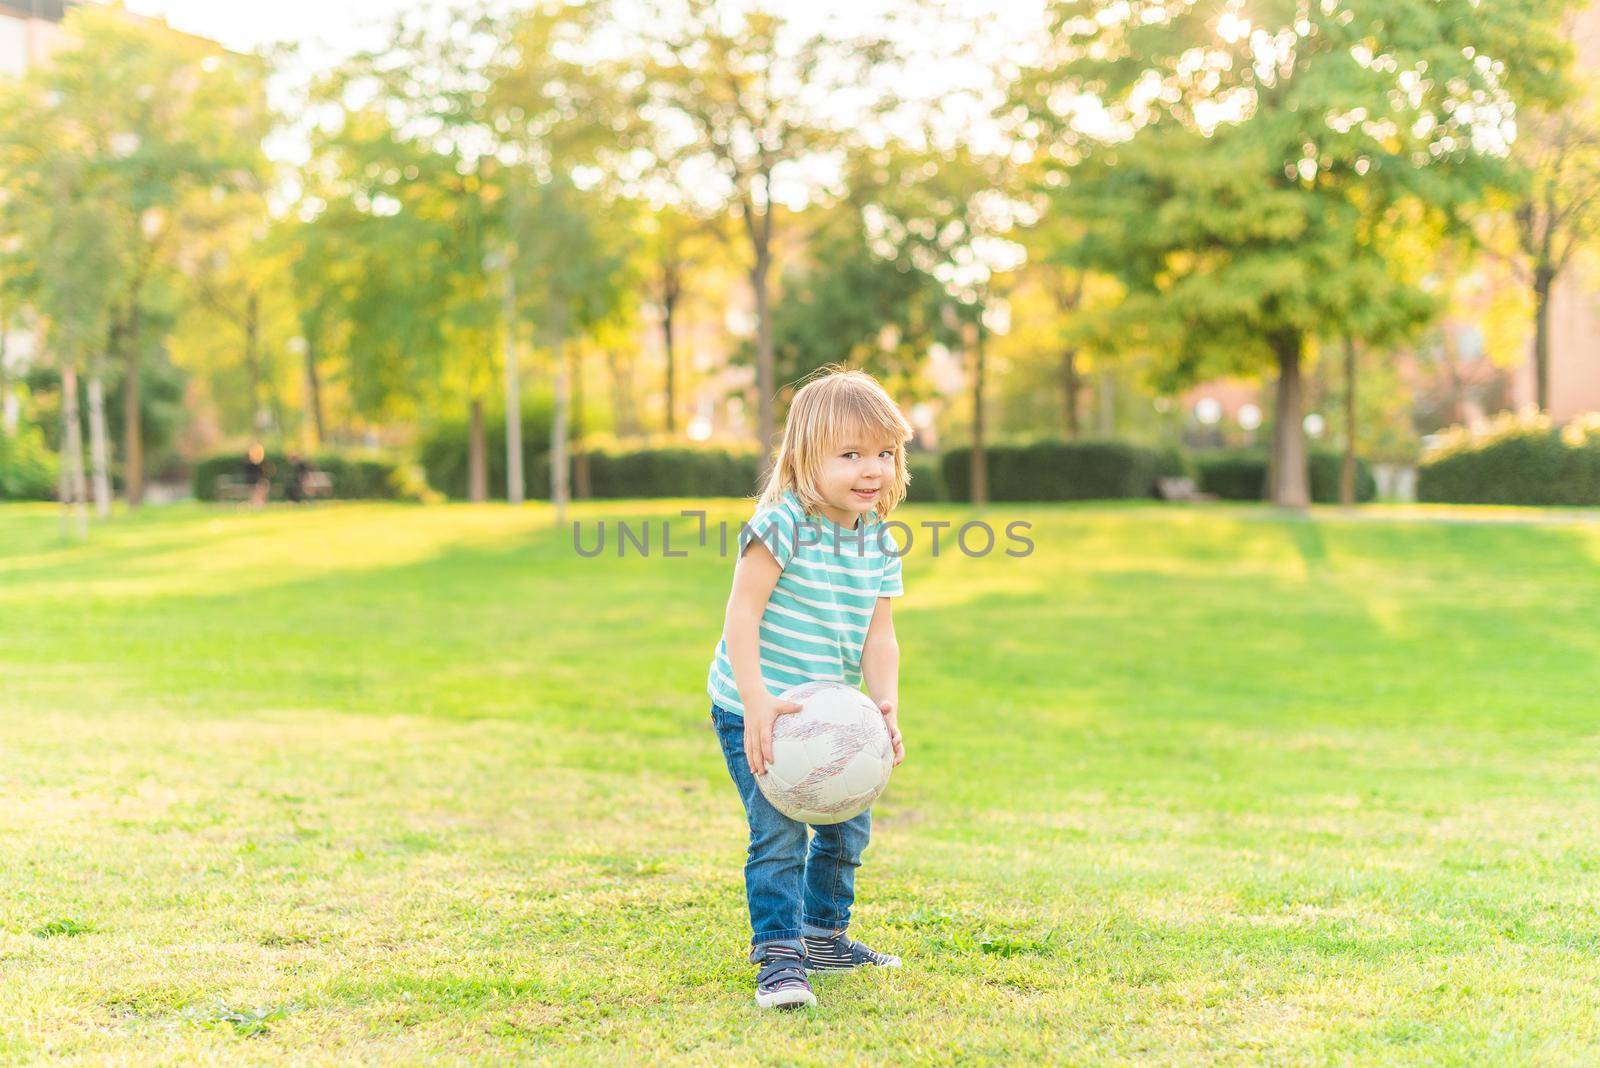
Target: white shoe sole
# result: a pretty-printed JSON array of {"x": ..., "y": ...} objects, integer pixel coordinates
[{"x": 792, "y": 998}]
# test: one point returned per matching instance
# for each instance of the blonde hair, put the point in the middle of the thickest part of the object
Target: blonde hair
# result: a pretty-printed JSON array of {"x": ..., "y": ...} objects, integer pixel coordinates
[{"x": 836, "y": 404}]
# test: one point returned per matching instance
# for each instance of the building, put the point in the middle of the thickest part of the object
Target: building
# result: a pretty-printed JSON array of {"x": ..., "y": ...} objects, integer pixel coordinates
[
  {"x": 29, "y": 31},
  {"x": 1575, "y": 300}
]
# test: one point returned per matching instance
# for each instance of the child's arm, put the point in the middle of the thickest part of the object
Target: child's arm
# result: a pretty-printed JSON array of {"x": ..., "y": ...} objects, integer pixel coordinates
[
  {"x": 880, "y": 668},
  {"x": 754, "y": 577}
]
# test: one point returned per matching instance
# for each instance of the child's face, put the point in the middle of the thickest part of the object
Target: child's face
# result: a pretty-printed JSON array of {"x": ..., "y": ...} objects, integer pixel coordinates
[{"x": 855, "y": 474}]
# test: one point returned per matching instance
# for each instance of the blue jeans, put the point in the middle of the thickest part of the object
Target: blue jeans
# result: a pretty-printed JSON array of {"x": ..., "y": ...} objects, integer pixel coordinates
[{"x": 791, "y": 891}]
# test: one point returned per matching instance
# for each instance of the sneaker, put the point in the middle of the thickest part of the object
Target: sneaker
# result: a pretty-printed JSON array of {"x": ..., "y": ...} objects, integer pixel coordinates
[
  {"x": 781, "y": 983},
  {"x": 841, "y": 953}
]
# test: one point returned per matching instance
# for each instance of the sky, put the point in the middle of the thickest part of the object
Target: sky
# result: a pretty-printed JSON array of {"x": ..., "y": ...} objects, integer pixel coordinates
[
  {"x": 328, "y": 30},
  {"x": 328, "y": 27},
  {"x": 335, "y": 27},
  {"x": 963, "y": 46}
]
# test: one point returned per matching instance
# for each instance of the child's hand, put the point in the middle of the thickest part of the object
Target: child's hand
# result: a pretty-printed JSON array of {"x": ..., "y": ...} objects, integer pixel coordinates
[
  {"x": 891, "y": 712},
  {"x": 759, "y": 717}
]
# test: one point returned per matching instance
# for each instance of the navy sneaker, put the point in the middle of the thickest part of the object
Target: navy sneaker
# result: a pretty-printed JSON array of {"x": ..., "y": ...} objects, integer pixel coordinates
[
  {"x": 781, "y": 983},
  {"x": 841, "y": 953}
]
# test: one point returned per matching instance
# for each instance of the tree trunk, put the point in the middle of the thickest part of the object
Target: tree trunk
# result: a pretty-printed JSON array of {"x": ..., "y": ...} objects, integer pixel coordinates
[
  {"x": 9, "y": 414},
  {"x": 1288, "y": 481},
  {"x": 314, "y": 392},
  {"x": 516, "y": 484},
  {"x": 764, "y": 360},
  {"x": 1070, "y": 385},
  {"x": 1347, "y": 469},
  {"x": 1105, "y": 405},
  {"x": 73, "y": 490},
  {"x": 580, "y": 456},
  {"x": 99, "y": 452},
  {"x": 627, "y": 415},
  {"x": 559, "y": 490},
  {"x": 132, "y": 427},
  {"x": 1543, "y": 278},
  {"x": 980, "y": 461},
  {"x": 669, "y": 311},
  {"x": 477, "y": 454},
  {"x": 252, "y": 360}
]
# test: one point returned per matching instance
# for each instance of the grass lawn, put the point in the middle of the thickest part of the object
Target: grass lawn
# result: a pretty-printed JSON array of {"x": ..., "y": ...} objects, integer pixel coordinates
[{"x": 1187, "y": 785}]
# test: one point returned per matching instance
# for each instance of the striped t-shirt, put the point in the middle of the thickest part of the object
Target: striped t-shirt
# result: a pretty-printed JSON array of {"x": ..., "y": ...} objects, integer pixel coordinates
[{"x": 816, "y": 619}]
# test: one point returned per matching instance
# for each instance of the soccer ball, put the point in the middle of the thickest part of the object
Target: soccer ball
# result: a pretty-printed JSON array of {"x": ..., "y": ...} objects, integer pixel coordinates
[{"x": 831, "y": 759}]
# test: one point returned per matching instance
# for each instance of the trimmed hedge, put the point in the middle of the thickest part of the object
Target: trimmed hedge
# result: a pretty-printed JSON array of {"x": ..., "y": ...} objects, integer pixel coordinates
[
  {"x": 1242, "y": 476},
  {"x": 697, "y": 471},
  {"x": 927, "y": 479},
  {"x": 670, "y": 471},
  {"x": 1057, "y": 471},
  {"x": 1516, "y": 463},
  {"x": 443, "y": 453},
  {"x": 27, "y": 467},
  {"x": 355, "y": 476}
]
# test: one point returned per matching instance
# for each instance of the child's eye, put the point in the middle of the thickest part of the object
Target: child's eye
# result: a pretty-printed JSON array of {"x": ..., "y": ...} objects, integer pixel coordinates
[
  {"x": 887, "y": 452},
  {"x": 851, "y": 455}
]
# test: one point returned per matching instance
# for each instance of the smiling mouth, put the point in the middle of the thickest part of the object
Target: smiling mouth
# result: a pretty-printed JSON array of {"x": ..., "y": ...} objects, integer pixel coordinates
[{"x": 865, "y": 493}]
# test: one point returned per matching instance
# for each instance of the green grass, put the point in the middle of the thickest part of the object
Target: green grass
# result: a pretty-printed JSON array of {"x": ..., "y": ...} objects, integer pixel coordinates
[{"x": 1187, "y": 785}]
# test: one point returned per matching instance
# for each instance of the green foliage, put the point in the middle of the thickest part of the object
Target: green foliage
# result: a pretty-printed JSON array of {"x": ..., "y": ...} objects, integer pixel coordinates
[
  {"x": 699, "y": 471},
  {"x": 1516, "y": 461},
  {"x": 1241, "y": 475},
  {"x": 444, "y": 449},
  {"x": 355, "y": 475},
  {"x": 161, "y": 411},
  {"x": 63, "y": 928},
  {"x": 1056, "y": 471},
  {"x": 927, "y": 479},
  {"x": 849, "y": 304},
  {"x": 27, "y": 466},
  {"x": 105, "y": 153},
  {"x": 1255, "y": 177}
]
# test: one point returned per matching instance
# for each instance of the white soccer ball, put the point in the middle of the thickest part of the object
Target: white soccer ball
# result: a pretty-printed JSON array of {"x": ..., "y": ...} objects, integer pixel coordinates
[{"x": 831, "y": 759}]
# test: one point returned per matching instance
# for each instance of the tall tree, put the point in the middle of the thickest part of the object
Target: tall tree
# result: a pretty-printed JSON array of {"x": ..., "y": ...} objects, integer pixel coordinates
[
  {"x": 949, "y": 213},
  {"x": 153, "y": 119},
  {"x": 405, "y": 172},
  {"x": 846, "y": 302},
  {"x": 740, "y": 109},
  {"x": 553, "y": 109},
  {"x": 1217, "y": 151},
  {"x": 1552, "y": 208},
  {"x": 571, "y": 277},
  {"x": 675, "y": 247}
]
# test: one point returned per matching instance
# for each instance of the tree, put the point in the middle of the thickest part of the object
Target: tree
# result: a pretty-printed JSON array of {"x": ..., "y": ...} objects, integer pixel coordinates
[
  {"x": 570, "y": 267},
  {"x": 948, "y": 214},
  {"x": 553, "y": 109},
  {"x": 1077, "y": 297},
  {"x": 675, "y": 246},
  {"x": 68, "y": 263},
  {"x": 240, "y": 316},
  {"x": 846, "y": 302},
  {"x": 406, "y": 180},
  {"x": 1553, "y": 209},
  {"x": 145, "y": 119},
  {"x": 739, "y": 112},
  {"x": 1218, "y": 161}
]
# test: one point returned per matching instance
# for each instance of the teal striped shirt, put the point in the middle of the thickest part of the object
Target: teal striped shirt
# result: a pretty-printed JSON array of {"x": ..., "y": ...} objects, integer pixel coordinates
[{"x": 816, "y": 620}]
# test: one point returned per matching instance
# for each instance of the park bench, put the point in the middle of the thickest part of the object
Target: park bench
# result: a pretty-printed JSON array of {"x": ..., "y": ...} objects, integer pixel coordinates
[
  {"x": 232, "y": 488},
  {"x": 1181, "y": 489},
  {"x": 317, "y": 484}
]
